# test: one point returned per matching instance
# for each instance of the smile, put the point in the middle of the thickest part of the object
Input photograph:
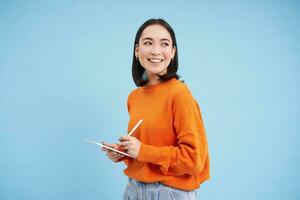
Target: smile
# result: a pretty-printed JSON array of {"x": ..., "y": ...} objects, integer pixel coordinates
[{"x": 155, "y": 60}]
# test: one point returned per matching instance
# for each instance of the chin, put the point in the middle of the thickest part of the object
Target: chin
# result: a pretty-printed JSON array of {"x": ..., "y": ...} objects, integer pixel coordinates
[{"x": 157, "y": 72}]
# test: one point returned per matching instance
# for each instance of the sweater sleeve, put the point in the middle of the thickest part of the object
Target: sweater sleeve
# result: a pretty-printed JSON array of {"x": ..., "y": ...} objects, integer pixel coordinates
[
  {"x": 126, "y": 159},
  {"x": 190, "y": 153}
]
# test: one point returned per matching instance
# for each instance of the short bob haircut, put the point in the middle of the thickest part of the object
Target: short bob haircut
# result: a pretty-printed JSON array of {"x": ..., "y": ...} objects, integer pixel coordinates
[{"x": 138, "y": 72}]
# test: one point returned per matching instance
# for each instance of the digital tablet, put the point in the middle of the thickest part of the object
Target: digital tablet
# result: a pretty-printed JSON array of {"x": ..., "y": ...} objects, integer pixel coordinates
[
  {"x": 107, "y": 147},
  {"x": 116, "y": 150}
]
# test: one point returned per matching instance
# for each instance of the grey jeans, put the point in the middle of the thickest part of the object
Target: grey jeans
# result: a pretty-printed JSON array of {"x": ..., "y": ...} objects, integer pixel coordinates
[{"x": 137, "y": 190}]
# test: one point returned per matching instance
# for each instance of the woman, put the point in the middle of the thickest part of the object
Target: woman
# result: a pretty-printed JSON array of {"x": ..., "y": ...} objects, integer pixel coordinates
[{"x": 169, "y": 151}]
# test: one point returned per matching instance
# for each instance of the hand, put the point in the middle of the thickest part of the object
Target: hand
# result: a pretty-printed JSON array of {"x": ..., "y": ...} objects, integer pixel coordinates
[
  {"x": 114, "y": 156},
  {"x": 131, "y": 145}
]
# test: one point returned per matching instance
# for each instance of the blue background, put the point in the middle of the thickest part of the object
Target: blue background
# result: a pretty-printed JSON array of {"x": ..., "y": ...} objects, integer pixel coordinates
[{"x": 65, "y": 73}]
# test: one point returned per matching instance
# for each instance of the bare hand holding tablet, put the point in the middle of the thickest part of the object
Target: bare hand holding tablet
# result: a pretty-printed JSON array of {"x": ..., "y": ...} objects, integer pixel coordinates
[
  {"x": 113, "y": 149},
  {"x": 107, "y": 147}
]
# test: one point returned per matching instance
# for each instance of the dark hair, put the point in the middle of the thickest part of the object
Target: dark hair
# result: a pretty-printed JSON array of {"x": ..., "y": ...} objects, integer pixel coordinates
[{"x": 137, "y": 68}]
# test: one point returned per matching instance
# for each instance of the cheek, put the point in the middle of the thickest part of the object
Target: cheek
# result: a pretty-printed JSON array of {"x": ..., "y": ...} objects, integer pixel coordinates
[
  {"x": 168, "y": 54},
  {"x": 143, "y": 55}
]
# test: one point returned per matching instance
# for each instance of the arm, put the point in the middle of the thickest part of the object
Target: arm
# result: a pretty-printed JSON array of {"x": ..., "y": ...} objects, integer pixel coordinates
[
  {"x": 126, "y": 159},
  {"x": 190, "y": 153}
]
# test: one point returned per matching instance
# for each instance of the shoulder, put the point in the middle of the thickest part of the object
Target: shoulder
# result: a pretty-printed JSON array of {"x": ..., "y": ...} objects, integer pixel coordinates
[
  {"x": 182, "y": 96},
  {"x": 133, "y": 93},
  {"x": 181, "y": 90}
]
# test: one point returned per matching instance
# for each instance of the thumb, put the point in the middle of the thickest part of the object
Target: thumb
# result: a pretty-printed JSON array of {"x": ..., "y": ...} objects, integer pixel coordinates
[{"x": 115, "y": 146}]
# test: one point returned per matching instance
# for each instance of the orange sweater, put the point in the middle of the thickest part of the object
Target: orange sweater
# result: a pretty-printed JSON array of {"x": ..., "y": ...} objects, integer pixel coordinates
[{"x": 174, "y": 148}]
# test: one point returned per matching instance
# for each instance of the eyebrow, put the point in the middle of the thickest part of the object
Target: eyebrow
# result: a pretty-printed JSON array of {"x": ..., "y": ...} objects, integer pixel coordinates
[{"x": 163, "y": 39}]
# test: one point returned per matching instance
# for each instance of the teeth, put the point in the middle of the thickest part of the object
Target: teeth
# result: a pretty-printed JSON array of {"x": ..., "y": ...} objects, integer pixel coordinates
[{"x": 155, "y": 60}]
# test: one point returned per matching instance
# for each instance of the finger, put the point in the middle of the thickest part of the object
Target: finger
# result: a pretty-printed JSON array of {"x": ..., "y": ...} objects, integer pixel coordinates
[
  {"x": 125, "y": 143},
  {"x": 114, "y": 146},
  {"x": 110, "y": 153},
  {"x": 107, "y": 144},
  {"x": 126, "y": 148},
  {"x": 113, "y": 154},
  {"x": 103, "y": 149},
  {"x": 124, "y": 138},
  {"x": 115, "y": 157}
]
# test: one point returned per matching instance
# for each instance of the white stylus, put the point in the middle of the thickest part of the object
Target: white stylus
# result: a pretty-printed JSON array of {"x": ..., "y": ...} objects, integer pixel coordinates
[{"x": 135, "y": 127}]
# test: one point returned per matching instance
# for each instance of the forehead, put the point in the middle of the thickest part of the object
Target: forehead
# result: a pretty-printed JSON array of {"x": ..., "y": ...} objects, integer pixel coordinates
[{"x": 156, "y": 32}]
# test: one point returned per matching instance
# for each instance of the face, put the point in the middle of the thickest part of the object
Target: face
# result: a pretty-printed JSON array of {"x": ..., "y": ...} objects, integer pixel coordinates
[{"x": 155, "y": 50}]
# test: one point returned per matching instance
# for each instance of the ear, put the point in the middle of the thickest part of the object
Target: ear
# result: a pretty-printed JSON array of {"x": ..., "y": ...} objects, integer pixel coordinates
[
  {"x": 136, "y": 51},
  {"x": 173, "y": 52}
]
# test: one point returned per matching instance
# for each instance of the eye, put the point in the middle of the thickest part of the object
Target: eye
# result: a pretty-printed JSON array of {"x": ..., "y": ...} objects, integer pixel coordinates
[
  {"x": 147, "y": 43},
  {"x": 165, "y": 44}
]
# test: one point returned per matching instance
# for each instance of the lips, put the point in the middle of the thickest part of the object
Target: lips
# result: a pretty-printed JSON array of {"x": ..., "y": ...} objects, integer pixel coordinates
[{"x": 155, "y": 60}]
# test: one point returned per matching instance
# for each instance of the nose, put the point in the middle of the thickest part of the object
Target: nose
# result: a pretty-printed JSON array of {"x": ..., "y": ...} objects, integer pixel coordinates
[{"x": 155, "y": 50}]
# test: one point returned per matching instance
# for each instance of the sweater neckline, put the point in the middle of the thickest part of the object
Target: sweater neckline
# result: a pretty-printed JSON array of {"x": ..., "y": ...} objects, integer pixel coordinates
[{"x": 149, "y": 88}]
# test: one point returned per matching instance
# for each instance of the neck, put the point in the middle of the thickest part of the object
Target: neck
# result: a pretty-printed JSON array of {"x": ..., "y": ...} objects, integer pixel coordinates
[
  {"x": 153, "y": 82},
  {"x": 153, "y": 78}
]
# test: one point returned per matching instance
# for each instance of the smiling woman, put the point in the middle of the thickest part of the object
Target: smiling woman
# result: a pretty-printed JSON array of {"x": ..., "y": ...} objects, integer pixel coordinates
[
  {"x": 155, "y": 51},
  {"x": 155, "y": 42},
  {"x": 168, "y": 153}
]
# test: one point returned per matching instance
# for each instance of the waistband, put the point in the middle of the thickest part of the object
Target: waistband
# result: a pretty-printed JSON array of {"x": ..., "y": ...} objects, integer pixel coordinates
[{"x": 138, "y": 183}]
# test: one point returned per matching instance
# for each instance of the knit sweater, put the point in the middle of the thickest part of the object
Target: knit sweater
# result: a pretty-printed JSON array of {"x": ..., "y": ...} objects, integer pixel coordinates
[{"x": 174, "y": 148}]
